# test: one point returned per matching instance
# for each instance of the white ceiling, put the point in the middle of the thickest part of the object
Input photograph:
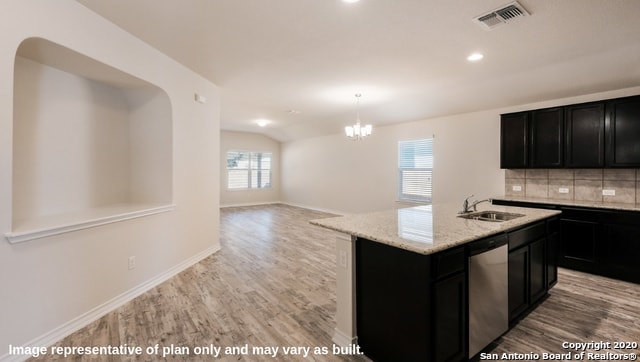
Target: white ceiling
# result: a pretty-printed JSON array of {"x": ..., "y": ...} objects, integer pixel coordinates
[{"x": 406, "y": 57}]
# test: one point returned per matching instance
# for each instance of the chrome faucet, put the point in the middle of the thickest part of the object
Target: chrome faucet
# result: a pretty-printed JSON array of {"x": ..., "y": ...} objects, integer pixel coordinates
[{"x": 466, "y": 207}]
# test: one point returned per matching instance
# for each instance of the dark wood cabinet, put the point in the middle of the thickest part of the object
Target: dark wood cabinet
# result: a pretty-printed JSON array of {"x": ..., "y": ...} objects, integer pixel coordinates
[
  {"x": 514, "y": 140},
  {"x": 410, "y": 307},
  {"x": 603, "y": 242},
  {"x": 532, "y": 139},
  {"x": 603, "y": 134},
  {"x": 599, "y": 241},
  {"x": 622, "y": 127},
  {"x": 538, "y": 271},
  {"x": 623, "y": 247},
  {"x": 578, "y": 245},
  {"x": 547, "y": 138},
  {"x": 528, "y": 268},
  {"x": 449, "y": 319},
  {"x": 414, "y": 307},
  {"x": 620, "y": 254},
  {"x": 584, "y": 130},
  {"x": 518, "y": 282},
  {"x": 553, "y": 241}
]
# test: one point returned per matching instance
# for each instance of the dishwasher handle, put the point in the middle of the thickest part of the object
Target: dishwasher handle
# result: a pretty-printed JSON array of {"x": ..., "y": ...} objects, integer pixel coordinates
[{"x": 487, "y": 244}]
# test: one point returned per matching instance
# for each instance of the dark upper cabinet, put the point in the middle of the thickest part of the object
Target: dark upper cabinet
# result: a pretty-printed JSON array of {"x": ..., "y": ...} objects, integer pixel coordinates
[
  {"x": 547, "y": 142},
  {"x": 622, "y": 127},
  {"x": 604, "y": 134},
  {"x": 532, "y": 139},
  {"x": 514, "y": 140},
  {"x": 584, "y": 130}
]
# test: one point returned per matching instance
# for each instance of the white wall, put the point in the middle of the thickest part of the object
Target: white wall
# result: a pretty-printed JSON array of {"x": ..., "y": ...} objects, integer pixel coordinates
[
  {"x": 243, "y": 141},
  {"x": 49, "y": 284},
  {"x": 350, "y": 176},
  {"x": 338, "y": 175}
]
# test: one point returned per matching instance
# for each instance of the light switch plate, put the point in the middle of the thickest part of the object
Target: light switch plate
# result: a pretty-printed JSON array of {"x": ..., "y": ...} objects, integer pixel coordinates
[
  {"x": 517, "y": 188},
  {"x": 563, "y": 190},
  {"x": 608, "y": 192}
]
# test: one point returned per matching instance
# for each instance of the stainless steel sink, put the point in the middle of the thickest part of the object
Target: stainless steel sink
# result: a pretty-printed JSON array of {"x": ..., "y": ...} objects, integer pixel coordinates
[{"x": 494, "y": 216}]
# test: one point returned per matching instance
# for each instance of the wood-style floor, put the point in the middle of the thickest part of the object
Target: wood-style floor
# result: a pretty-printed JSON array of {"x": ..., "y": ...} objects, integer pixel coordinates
[{"x": 273, "y": 285}]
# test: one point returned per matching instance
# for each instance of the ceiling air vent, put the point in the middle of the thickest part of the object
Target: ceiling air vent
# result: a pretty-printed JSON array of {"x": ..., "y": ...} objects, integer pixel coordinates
[{"x": 501, "y": 15}]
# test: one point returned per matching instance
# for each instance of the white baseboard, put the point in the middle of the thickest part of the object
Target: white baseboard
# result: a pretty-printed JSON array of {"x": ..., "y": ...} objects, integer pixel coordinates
[
  {"x": 250, "y": 204},
  {"x": 98, "y": 312},
  {"x": 328, "y": 211},
  {"x": 343, "y": 340}
]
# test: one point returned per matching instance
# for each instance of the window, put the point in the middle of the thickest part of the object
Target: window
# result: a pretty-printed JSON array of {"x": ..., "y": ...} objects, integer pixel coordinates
[
  {"x": 415, "y": 170},
  {"x": 248, "y": 170}
]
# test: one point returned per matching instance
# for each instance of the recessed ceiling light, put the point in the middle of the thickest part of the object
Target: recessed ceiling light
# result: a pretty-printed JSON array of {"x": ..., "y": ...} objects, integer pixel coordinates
[
  {"x": 350, "y": 1},
  {"x": 263, "y": 122},
  {"x": 475, "y": 57}
]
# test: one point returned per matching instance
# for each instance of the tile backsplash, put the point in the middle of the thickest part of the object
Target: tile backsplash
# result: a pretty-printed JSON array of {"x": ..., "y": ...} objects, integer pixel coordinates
[{"x": 608, "y": 185}]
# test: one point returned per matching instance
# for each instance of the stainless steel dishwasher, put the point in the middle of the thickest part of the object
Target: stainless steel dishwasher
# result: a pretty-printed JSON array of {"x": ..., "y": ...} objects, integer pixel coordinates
[{"x": 488, "y": 292}]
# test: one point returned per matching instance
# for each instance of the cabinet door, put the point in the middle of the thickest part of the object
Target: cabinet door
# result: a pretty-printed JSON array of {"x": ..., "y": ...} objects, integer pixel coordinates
[
  {"x": 621, "y": 251},
  {"x": 578, "y": 246},
  {"x": 552, "y": 259},
  {"x": 449, "y": 318},
  {"x": 584, "y": 129},
  {"x": 518, "y": 282},
  {"x": 388, "y": 326},
  {"x": 622, "y": 127},
  {"x": 514, "y": 140},
  {"x": 547, "y": 141},
  {"x": 537, "y": 271}
]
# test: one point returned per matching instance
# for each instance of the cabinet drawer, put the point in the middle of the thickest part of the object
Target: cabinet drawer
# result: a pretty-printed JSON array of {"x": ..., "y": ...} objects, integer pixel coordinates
[
  {"x": 448, "y": 262},
  {"x": 629, "y": 218},
  {"x": 526, "y": 235},
  {"x": 580, "y": 214}
]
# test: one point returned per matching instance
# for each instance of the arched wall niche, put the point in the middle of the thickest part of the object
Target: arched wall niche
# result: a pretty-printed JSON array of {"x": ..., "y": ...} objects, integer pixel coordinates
[{"x": 91, "y": 144}]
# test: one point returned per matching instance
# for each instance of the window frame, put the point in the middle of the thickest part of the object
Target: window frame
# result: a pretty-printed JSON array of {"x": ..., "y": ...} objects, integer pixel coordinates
[
  {"x": 425, "y": 162},
  {"x": 250, "y": 170}
]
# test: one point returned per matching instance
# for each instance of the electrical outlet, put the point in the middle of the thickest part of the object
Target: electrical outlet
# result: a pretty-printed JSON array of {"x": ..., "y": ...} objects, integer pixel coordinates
[
  {"x": 608, "y": 192},
  {"x": 343, "y": 259},
  {"x": 132, "y": 262},
  {"x": 516, "y": 188},
  {"x": 563, "y": 190}
]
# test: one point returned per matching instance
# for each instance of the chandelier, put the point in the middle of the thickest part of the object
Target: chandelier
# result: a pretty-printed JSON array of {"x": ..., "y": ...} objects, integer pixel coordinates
[{"x": 357, "y": 131}]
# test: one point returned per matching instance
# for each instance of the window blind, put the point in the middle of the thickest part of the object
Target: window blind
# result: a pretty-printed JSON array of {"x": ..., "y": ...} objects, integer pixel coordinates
[
  {"x": 248, "y": 170},
  {"x": 415, "y": 170}
]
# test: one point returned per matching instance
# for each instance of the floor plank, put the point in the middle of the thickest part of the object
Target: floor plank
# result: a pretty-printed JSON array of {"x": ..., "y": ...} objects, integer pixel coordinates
[
  {"x": 273, "y": 284},
  {"x": 581, "y": 308}
]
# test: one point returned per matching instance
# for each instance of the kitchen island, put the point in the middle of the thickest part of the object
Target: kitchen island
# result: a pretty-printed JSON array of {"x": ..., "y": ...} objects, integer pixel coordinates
[{"x": 408, "y": 271}]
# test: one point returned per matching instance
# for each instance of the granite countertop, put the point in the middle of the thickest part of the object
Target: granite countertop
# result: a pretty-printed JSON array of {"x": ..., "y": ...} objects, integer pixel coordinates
[
  {"x": 430, "y": 228},
  {"x": 578, "y": 203}
]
